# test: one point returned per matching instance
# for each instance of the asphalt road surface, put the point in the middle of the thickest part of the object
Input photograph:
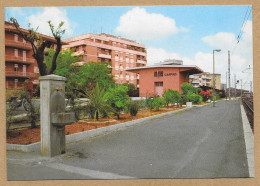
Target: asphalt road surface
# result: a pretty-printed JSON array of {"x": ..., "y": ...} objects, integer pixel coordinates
[{"x": 204, "y": 142}]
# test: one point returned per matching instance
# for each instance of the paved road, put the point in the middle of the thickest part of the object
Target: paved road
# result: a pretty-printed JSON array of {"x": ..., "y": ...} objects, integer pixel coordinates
[{"x": 205, "y": 142}]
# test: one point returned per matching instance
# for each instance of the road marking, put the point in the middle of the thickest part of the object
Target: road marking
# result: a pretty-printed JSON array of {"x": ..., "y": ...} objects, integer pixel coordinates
[
  {"x": 249, "y": 141},
  {"x": 87, "y": 172}
]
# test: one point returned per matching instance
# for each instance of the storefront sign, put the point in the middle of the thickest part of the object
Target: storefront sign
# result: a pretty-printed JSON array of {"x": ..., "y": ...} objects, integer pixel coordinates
[{"x": 170, "y": 74}]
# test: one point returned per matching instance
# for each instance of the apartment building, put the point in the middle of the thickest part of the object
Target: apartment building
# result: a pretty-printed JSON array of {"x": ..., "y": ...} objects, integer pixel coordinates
[
  {"x": 19, "y": 62},
  {"x": 170, "y": 74},
  {"x": 205, "y": 79},
  {"x": 198, "y": 80},
  {"x": 119, "y": 53}
]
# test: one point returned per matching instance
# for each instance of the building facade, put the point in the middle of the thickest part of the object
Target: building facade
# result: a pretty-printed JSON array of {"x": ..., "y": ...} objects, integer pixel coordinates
[
  {"x": 198, "y": 80},
  {"x": 19, "y": 62},
  {"x": 205, "y": 79},
  {"x": 118, "y": 52},
  {"x": 170, "y": 74}
]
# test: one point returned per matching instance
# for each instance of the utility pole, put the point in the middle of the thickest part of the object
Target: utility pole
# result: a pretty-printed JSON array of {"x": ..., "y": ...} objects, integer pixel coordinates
[
  {"x": 229, "y": 75},
  {"x": 226, "y": 85}
]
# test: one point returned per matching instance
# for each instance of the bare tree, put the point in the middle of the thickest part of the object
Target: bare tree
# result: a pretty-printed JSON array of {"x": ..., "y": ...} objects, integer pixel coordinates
[{"x": 39, "y": 44}]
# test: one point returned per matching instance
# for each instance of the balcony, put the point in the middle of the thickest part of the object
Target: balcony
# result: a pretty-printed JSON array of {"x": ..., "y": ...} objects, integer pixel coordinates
[
  {"x": 107, "y": 56},
  {"x": 121, "y": 77},
  {"x": 10, "y": 58},
  {"x": 17, "y": 44},
  {"x": 141, "y": 62},
  {"x": 127, "y": 60},
  {"x": 121, "y": 68},
  {"x": 19, "y": 74},
  {"x": 127, "y": 77},
  {"x": 116, "y": 58},
  {"x": 131, "y": 60},
  {"x": 14, "y": 85},
  {"x": 137, "y": 76}
]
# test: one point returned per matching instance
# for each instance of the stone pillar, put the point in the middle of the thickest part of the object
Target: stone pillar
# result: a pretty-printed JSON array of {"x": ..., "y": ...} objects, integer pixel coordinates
[{"x": 52, "y": 89}]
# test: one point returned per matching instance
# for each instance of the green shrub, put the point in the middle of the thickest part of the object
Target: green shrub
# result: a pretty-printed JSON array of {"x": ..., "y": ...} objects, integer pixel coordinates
[
  {"x": 148, "y": 103},
  {"x": 133, "y": 108},
  {"x": 194, "y": 98},
  {"x": 118, "y": 99},
  {"x": 158, "y": 102},
  {"x": 172, "y": 96},
  {"x": 12, "y": 92},
  {"x": 186, "y": 88}
]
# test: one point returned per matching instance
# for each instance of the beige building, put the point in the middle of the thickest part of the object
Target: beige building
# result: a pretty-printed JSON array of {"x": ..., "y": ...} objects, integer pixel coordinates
[
  {"x": 205, "y": 79},
  {"x": 118, "y": 52}
]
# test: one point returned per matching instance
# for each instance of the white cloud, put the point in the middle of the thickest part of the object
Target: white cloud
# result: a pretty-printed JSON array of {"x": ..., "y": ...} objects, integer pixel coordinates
[
  {"x": 155, "y": 55},
  {"x": 240, "y": 59},
  {"x": 140, "y": 24},
  {"x": 17, "y": 10},
  {"x": 56, "y": 15}
]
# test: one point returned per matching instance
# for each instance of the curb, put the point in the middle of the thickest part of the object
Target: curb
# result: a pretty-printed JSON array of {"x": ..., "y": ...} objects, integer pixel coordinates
[
  {"x": 95, "y": 132},
  {"x": 249, "y": 142}
]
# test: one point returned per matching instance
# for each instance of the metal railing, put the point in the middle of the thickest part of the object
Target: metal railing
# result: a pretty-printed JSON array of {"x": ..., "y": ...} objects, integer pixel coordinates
[
  {"x": 18, "y": 59},
  {"x": 249, "y": 108},
  {"x": 18, "y": 74},
  {"x": 17, "y": 44}
]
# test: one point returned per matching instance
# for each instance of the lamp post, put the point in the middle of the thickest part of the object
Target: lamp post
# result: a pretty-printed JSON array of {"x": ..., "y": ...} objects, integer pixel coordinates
[{"x": 214, "y": 93}]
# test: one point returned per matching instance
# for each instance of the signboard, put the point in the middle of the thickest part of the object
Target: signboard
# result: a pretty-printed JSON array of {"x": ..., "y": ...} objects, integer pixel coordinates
[{"x": 170, "y": 74}]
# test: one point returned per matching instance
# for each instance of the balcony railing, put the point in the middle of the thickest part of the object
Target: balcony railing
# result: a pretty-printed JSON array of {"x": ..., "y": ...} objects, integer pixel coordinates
[
  {"x": 141, "y": 62},
  {"x": 11, "y": 58},
  {"x": 16, "y": 85},
  {"x": 19, "y": 74},
  {"x": 18, "y": 44},
  {"x": 104, "y": 56}
]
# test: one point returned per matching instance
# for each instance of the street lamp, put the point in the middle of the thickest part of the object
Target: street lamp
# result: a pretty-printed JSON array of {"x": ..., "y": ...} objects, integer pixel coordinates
[{"x": 214, "y": 93}]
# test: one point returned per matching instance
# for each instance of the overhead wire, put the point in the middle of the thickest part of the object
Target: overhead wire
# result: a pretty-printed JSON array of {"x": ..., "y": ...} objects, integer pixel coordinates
[{"x": 247, "y": 14}]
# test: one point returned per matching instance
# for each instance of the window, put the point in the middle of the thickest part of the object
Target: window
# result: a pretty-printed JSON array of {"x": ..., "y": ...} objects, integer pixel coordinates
[
  {"x": 24, "y": 55},
  {"x": 155, "y": 74},
  {"x": 15, "y": 67},
  {"x": 16, "y": 52},
  {"x": 160, "y": 73},
  {"x": 158, "y": 84},
  {"x": 15, "y": 37}
]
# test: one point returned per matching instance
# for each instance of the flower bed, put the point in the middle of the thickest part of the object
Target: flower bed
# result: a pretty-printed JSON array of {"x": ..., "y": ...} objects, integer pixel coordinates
[{"x": 28, "y": 136}]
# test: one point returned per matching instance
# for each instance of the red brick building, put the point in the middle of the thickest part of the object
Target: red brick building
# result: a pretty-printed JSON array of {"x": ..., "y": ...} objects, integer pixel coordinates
[
  {"x": 19, "y": 62},
  {"x": 120, "y": 53},
  {"x": 170, "y": 74}
]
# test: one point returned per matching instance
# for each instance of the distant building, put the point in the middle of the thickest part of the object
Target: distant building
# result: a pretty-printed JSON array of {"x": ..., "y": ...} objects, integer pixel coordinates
[
  {"x": 198, "y": 80},
  {"x": 170, "y": 74},
  {"x": 118, "y": 52},
  {"x": 205, "y": 79},
  {"x": 19, "y": 62},
  {"x": 223, "y": 86}
]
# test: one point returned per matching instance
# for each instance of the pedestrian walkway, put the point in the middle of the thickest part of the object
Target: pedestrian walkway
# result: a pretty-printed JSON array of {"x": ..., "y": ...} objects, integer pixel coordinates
[{"x": 204, "y": 142}]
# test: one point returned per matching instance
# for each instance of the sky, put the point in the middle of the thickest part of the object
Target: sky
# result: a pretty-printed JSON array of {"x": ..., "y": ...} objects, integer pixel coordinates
[{"x": 189, "y": 33}]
